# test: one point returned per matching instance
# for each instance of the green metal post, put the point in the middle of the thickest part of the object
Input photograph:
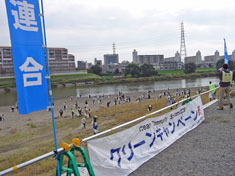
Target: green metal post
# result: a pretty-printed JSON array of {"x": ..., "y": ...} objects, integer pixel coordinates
[
  {"x": 87, "y": 163},
  {"x": 72, "y": 167}
]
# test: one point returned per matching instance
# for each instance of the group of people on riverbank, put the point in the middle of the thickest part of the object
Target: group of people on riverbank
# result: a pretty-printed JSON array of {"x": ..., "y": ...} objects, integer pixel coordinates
[{"x": 81, "y": 107}]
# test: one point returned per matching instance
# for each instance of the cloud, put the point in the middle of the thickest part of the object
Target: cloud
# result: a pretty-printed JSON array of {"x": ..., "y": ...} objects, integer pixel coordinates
[
  {"x": 88, "y": 28},
  {"x": 4, "y": 34}
]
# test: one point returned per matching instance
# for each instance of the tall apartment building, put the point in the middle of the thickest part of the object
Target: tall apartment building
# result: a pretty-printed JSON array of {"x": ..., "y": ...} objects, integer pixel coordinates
[
  {"x": 111, "y": 59},
  {"x": 150, "y": 59},
  {"x": 135, "y": 56},
  {"x": 59, "y": 61},
  {"x": 158, "y": 61},
  {"x": 147, "y": 59},
  {"x": 6, "y": 63}
]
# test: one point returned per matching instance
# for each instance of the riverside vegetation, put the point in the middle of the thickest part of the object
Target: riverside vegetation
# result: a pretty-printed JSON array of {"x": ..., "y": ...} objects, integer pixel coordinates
[{"x": 90, "y": 78}]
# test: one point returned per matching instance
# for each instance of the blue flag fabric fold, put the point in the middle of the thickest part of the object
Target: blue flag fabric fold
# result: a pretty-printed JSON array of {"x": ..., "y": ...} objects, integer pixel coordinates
[
  {"x": 225, "y": 53},
  {"x": 28, "y": 55}
]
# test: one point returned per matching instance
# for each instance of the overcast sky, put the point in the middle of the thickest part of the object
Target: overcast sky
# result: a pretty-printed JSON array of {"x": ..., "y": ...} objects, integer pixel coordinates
[{"x": 88, "y": 28}]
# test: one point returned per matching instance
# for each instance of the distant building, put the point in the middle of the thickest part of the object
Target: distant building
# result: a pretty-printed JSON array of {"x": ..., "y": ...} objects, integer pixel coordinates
[
  {"x": 230, "y": 57},
  {"x": 158, "y": 61},
  {"x": 209, "y": 61},
  {"x": 212, "y": 58},
  {"x": 97, "y": 62},
  {"x": 81, "y": 65},
  {"x": 111, "y": 68},
  {"x": 194, "y": 59},
  {"x": 135, "y": 57},
  {"x": 171, "y": 65},
  {"x": 6, "y": 63},
  {"x": 233, "y": 55},
  {"x": 89, "y": 65},
  {"x": 123, "y": 66},
  {"x": 177, "y": 58},
  {"x": 146, "y": 59},
  {"x": 150, "y": 59},
  {"x": 111, "y": 59},
  {"x": 59, "y": 61}
]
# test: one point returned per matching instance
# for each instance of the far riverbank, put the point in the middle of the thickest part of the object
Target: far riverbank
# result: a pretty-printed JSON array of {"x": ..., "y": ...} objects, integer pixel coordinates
[
  {"x": 9, "y": 98},
  {"x": 76, "y": 80}
]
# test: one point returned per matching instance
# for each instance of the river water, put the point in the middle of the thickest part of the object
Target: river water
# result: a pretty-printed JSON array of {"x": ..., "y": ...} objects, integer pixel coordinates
[{"x": 62, "y": 93}]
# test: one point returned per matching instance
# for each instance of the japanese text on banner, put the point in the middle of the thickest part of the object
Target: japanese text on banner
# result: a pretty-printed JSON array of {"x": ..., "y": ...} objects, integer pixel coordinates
[
  {"x": 28, "y": 55},
  {"x": 123, "y": 152}
]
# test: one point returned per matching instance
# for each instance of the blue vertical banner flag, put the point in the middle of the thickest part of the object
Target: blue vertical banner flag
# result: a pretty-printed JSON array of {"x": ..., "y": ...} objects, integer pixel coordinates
[
  {"x": 225, "y": 53},
  {"x": 28, "y": 54}
]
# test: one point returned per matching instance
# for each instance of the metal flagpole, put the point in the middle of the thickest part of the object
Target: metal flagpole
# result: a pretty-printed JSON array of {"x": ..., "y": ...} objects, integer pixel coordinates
[{"x": 50, "y": 90}]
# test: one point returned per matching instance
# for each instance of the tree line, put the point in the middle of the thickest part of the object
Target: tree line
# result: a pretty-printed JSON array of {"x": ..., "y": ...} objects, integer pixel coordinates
[{"x": 147, "y": 70}]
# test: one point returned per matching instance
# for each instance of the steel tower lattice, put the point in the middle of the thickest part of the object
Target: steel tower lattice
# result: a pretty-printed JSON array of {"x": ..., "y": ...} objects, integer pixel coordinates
[{"x": 183, "y": 52}]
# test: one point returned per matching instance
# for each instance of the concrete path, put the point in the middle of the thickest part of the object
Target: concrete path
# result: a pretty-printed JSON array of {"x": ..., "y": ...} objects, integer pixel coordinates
[{"x": 207, "y": 150}]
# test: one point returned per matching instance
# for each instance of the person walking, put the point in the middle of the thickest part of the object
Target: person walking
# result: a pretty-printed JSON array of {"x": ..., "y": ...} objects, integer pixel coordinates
[
  {"x": 212, "y": 91},
  {"x": 149, "y": 107},
  {"x": 72, "y": 113},
  {"x": 225, "y": 76},
  {"x": 76, "y": 105},
  {"x": 86, "y": 103},
  {"x": 12, "y": 109},
  {"x": 16, "y": 107},
  {"x": 108, "y": 103},
  {"x": 83, "y": 123},
  {"x": 86, "y": 113},
  {"x": 65, "y": 106},
  {"x": 61, "y": 112},
  {"x": 168, "y": 100},
  {"x": 95, "y": 125},
  {"x": 79, "y": 112}
]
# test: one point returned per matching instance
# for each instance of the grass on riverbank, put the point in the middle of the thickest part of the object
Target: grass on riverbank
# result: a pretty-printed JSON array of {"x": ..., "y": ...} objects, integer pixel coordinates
[
  {"x": 211, "y": 69},
  {"x": 55, "y": 79},
  {"x": 170, "y": 72},
  {"x": 38, "y": 140},
  {"x": 181, "y": 71},
  {"x": 7, "y": 83},
  {"x": 78, "y": 75}
]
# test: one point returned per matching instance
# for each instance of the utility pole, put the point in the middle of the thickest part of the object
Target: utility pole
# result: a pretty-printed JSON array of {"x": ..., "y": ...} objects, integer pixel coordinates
[{"x": 183, "y": 52}]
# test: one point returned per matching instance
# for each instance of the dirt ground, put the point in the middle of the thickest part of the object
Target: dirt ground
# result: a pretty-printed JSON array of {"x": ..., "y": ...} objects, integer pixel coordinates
[
  {"x": 14, "y": 121},
  {"x": 22, "y": 133}
]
